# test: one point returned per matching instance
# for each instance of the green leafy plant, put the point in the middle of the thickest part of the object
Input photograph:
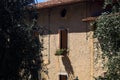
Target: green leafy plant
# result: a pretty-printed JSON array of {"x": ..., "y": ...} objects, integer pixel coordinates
[
  {"x": 108, "y": 34},
  {"x": 61, "y": 52},
  {"x": 20, "y": 49}
]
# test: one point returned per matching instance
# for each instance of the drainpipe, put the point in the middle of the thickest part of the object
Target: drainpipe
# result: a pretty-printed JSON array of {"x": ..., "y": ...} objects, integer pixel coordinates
[{"x": 49, "y": 24}]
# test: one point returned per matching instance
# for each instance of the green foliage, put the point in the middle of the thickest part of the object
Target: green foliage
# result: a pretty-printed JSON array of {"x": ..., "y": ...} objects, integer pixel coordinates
[
  {"x": 108, "y": 34},
  {"x": 60, "y": 52},
  {"x": 19, "y": 47},
  {"x": 114, "y": 3}
]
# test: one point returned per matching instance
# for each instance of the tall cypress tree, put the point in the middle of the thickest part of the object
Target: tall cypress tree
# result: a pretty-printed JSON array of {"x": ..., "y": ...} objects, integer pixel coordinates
[{"x": 19, "y": 47}]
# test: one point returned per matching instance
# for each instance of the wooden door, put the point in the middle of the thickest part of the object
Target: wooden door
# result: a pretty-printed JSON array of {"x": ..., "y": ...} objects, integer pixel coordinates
[{"x": 62, "y": 77}]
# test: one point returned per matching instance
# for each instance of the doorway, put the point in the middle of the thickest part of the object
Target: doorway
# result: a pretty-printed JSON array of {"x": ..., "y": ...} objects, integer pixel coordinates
[{"x": 62, "y": 77}]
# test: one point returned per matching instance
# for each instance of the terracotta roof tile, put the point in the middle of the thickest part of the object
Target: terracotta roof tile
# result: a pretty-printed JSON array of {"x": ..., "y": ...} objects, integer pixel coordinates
[{"x": 53, "y": 3}]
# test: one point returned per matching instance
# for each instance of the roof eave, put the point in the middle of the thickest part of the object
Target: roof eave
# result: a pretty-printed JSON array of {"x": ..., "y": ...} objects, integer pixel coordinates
[{"x": 50, "y": 4}]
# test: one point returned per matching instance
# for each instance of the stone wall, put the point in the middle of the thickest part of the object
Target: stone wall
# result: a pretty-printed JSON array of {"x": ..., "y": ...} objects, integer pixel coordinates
[{"x": 77, "y": 63}]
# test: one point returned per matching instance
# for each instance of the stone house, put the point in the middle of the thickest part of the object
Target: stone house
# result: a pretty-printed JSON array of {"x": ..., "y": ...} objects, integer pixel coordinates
[{"x": 64, "y": 29}]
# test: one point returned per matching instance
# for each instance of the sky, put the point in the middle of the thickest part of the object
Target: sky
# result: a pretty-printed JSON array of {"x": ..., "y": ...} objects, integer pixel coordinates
[{"x": 41, "y": 0}]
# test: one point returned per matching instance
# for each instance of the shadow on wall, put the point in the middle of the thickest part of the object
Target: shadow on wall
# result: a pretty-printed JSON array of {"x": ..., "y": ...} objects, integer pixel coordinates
[{"x": 68, "y": 67}]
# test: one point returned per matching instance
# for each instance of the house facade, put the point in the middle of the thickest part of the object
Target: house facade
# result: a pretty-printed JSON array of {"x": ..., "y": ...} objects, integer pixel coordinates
[{"x": 63, "y": 28}]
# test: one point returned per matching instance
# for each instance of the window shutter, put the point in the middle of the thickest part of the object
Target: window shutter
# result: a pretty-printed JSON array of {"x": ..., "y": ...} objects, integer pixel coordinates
[{"x": 63, "y": 35}]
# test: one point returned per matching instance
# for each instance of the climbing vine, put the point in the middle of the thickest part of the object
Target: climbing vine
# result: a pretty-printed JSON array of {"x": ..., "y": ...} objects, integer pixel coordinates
[{"x": 108, "y": 34}]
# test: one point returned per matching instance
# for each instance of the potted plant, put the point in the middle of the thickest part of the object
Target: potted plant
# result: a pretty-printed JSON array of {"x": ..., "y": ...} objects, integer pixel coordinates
[{"x": 61, "y": 52}]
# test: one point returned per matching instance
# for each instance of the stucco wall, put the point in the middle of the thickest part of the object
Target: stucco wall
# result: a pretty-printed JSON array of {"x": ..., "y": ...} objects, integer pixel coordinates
[{"x": 78, "y": 60}]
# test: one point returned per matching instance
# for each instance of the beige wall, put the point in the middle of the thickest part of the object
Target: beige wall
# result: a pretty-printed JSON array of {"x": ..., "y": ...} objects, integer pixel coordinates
[{"x": 78, "y": 61}]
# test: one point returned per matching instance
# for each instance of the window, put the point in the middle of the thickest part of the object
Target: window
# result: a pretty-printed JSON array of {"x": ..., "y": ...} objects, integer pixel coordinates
[
  {"x": 63, "y": 13},
  {"x": 63, "y": 38}
]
